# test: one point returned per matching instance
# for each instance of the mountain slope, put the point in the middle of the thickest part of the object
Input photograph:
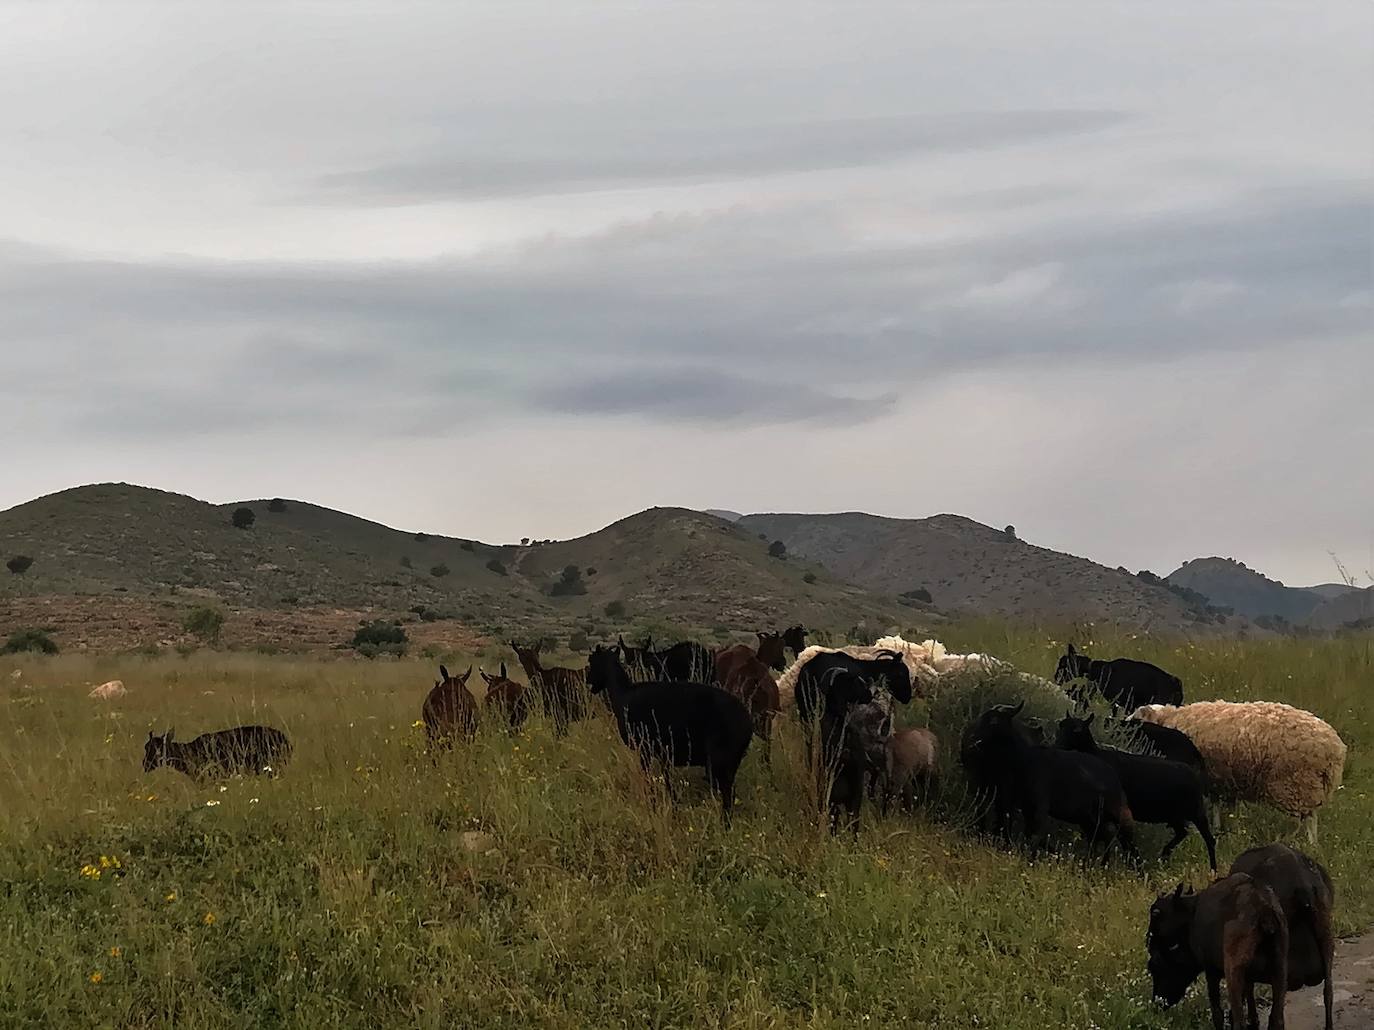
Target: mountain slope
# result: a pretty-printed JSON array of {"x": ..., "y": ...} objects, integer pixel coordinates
[
  {"x": 1231, "y": 584},
  {"x": 1353, "y": 608},
  {"x": 967, "y": 566},
  {"x": 672, "y": 565}
]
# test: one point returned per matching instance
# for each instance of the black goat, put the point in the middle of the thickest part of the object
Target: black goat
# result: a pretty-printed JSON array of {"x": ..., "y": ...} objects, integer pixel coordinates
[
  {"x": 887, "y": 668},
  {"x": 1306, "y": 896},
  {"x": 1044, "y": 782},
  {"x": 686, "y": 662},
  {"x": 855, "y": 729},
  {"x": 243, "y": 749},
  {"x": 1157, "y": 789},
  {"x": 1166, "y": 742},
  {"x": 1124, "y": 682},
  {"x": 795, "y": 638},
  {"x": 678, "y": 723}
]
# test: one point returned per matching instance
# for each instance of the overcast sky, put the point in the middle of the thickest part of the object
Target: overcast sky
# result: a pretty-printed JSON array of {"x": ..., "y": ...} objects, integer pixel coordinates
[{"x": 1100, "y": 271}]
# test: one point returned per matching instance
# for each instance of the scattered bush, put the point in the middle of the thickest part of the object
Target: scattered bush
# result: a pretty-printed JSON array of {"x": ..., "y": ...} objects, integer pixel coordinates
[
  {"x": 777, "y": 549},
  {"x": 524, "y": 541},
  {"x": 439, "y": 571},
  {"x": 380, "y": 637},
  {"x": 19, "y": 564},
  {"x": 243, "y": 518},
  {"x": 615, "y": 609},
  {"x": 406, "y": 562},
  {"x": 290, "y": 599},
  {"x": 29, "y": 640},
  {"x": 810, "y": 577},
  {"x": 496, "y": 566},
  {"x": 1009, "y": 532},
  {"x": 204, "y": 624},
  {"x": 276, "y": 505},
  {"x": 578, "y": 642},
  {"x": 919, "y": 594},
  {"x": 421, "y": 536},
  {"x": 570, "y": 584},
  {"x": 591, "y": 571},
  {"x": 465, "y": 545}
]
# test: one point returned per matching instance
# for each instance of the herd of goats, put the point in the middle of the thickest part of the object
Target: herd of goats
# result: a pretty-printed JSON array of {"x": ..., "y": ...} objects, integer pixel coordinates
[{"x": 1268, "y": 921}]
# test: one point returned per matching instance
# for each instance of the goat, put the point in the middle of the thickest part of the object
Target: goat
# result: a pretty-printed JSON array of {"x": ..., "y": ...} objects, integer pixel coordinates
[
  {"x": 243, "y": 749},
  {"x": 449, "y": 711},
  {"x": 912, "y": 758},
  {"x": 641, "y": 662},
  {"x": 1234, "y": 930},
  {"x": 1306, "y": 896},
  {"x": 887, "y": 668},
  {"x": 1124, "y": 682},
  {"x": 863, "y": 731},
  {"x": 562, "y": 690},
  {"x": 507, "y": 696},
  {"x": 678, "y": 723},
  {"x": 1046, "y": 782},
  {"x": 1157, "y": 789},
  {"x": 685, "y": 662},
  {"x": 795, "y": 638},
  {"x": 744, "y": 674},
  {"x": 1164, "y": 741},
  {"x": 772, "y": 651}
]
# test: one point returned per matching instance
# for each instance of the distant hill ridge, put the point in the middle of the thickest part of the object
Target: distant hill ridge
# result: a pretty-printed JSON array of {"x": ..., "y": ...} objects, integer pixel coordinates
[{"x": 1228, "y": 582}]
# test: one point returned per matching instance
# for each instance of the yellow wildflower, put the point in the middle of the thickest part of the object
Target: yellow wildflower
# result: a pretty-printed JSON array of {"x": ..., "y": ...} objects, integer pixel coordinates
[
  {"x": 417, "y": 724},
  {"x": 116, "y": 951},
  {"x": 171, "y": 897},
  {"x": 96, "y": 977},
  {"x": 91, "y": 872},
  {"x": 209, "y": 919}
]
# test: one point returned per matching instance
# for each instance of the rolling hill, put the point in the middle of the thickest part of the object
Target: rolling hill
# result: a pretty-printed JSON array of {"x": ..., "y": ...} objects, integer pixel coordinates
[
  {"x": 662, "y": 565},
  {"x": 1232, "y": 584},
  {"x": 970, "y": 567}
]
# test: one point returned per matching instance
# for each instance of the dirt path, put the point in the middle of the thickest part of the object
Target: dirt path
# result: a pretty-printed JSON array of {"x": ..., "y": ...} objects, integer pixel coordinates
[{"x": 1354, "y": 991}]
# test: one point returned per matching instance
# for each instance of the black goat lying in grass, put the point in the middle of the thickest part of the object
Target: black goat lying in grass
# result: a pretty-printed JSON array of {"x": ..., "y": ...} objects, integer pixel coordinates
[
  {"x": 1157, "y": 789},
  {"x": 243, "y": 749},
  {"x": 1045, "y": 782},
  {"x": 678, "y": 723}
]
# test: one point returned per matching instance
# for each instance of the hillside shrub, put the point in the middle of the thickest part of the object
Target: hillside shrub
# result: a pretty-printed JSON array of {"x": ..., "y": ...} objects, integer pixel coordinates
[
  {"x": 919, "y": 594},
  {"x": 406, "y": 562},
  {"x": 810, "y": 577},
  {"x": 465, "y": 545},
  {"x": 569, "y": 584},
  {"x": 243, "y": 518},
  {"x": 276, "y": 505},
  {"x": 1009, "y": 532},
  {"x": 19, "y": 564},
  {"x": 421, "y": 536},
  {"x": 615, "y": 609},
  {"x": 29, "y": 640},
  {"x": 380, "y": 637},
  {"x": 578, "y": 641},
  {"x": 496, "y": 566},
  {"x": 439, "y": 571},
  {"x": 204, "y": 624},
  {"x": 777, "y": 549},
  {"x": 591, "y": 571}
]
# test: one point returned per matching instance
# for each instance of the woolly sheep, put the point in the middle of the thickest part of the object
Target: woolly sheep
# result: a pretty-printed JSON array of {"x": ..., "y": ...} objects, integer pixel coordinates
[
  {"x": 927, "y": 662},
  {"x": 108, "y": 691},
  {"x": 1262, "y": 751}
]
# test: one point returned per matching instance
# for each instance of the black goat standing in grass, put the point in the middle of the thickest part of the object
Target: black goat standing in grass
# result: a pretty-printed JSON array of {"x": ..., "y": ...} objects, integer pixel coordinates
[
  {"x": 1124, "y": 682},
  {"x": 1046, "y": 782},
  {"x": 1166, "y": 742},
  {"x": 677, "y": 723},
  {"x": 886, "y": 667},
  {"x": 243, "y": 749},
  {"x": 855, "y": 729},
  {"x": 1157, "y": 789}
]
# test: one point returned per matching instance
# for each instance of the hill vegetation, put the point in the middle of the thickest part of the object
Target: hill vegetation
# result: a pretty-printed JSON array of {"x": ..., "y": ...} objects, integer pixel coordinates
[{"x": 1228, "y": 582}]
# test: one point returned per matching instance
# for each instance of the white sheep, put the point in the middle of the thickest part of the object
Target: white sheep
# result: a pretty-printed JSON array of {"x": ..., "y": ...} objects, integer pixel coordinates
[
  {"x": 108, "y": 691},
  {"x": 1262, "y": 751}
]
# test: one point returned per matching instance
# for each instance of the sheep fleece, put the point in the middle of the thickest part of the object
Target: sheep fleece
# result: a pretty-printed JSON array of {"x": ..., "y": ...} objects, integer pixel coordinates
[{"x": 1261, "y": 750}]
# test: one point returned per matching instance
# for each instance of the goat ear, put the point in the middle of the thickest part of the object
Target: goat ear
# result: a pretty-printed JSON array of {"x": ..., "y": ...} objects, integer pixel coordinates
[
  {"x": 1071, "y": 650},
  {"x": 503, "y": 671},
  {"x": 167, "y": 737},
  {"x": 443, "y": 672},
  {"x": 1178, "y": 891},
  {"x": 467, "y": 674}
]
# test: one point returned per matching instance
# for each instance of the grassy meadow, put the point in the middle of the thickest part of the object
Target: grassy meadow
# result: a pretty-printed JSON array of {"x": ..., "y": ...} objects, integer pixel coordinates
[{"x": 523, "y": 881}]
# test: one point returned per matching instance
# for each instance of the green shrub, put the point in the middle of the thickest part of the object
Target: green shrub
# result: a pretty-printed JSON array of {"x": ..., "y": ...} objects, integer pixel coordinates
[
  {"x": 578, "y": 641},
  {"x": 243, "y": 518},
  {"x": 496, "y": 566},
  {"x": 569, "y": 584},
  {"x": 439, "y": 571},
  {"x": 919, "y": 594},
  {"x": 810, "y": 577},
  {"x": 19, "y": 564},
  {"x": 777, "y": 549},
  {"x": 421, "y": 536},
  {"x": 380, "y": 637},
  {"x": 29, "y": 640},
  {"x": 276, "y": 505},
  {"x": 615, "y": 609},
  {"x": 204, "y": 624},
  {"x": 465, "y": 545}
]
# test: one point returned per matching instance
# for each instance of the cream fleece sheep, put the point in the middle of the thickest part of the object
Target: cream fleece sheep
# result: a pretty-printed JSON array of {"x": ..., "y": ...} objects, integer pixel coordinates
[
  {"x": 1261, "y": 751},
  {"x": 927, "y": 662}
]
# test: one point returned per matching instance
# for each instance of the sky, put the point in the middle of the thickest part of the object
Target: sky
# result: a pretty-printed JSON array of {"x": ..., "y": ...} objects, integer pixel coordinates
[{"x": 1101, "y": 271}]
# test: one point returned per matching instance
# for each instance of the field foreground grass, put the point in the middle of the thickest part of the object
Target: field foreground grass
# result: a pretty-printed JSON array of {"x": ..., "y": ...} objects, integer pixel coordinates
[{"x": 524, "y": 881}]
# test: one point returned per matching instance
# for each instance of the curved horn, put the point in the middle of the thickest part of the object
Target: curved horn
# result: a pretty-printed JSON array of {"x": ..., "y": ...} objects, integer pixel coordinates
[{"x": 1017, "y": 710}]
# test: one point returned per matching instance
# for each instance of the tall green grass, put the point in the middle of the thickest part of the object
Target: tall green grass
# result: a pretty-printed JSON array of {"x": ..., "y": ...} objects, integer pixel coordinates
[{"x": 523, "y": 881}]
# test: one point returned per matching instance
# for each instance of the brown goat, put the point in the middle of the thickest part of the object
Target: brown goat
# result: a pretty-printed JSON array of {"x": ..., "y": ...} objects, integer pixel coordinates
[
  {"x": 772, "y": 651},
  {"x": 510, "y": 698},
  {"x": 739, "y": 671},
  {"x": 912, "y": 756},
  {"x": 450, "y": 710},
  {"x": 563, "y": 691}
]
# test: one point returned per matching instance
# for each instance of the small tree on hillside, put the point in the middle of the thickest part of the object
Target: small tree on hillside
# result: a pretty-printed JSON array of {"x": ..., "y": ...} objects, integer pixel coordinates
[
  {"x": 614, "y": 609},
  {"x": 243, "y": 518},
  {"x": 276, "y": 505},
  {"x": 19, "y": 564},
  {"x": 777, "y": 549},
  {"x": 439, "y": 571},
  {"x": 496, "y": 566},
  {"x": 204, "y": 623},
  {"x": 570, "y": 583},
  {"x": 1009, "y": 532},
  {"x": 29, "y": 640}
]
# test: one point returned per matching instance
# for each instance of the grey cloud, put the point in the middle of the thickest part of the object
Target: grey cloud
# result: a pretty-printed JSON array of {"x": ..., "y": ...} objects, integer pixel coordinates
[
  {"x": 830, "y": 330},
  {"x": 549, "y": 157}
]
